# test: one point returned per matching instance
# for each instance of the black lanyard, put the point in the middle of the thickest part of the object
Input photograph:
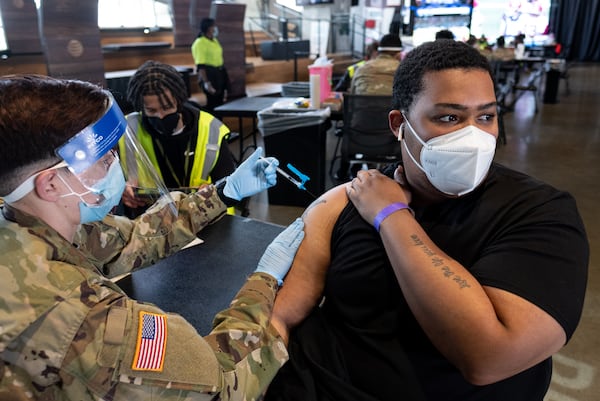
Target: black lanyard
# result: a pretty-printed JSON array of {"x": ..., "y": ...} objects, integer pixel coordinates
[{"x": 186, "y": 164}]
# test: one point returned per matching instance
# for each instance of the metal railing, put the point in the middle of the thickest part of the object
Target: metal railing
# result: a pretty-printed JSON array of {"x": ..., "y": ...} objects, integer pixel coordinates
[{"x": 277, "y": 27}]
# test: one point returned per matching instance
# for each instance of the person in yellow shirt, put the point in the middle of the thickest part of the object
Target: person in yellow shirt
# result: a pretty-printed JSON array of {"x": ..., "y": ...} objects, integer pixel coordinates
[{"x": 208, "y": 57}]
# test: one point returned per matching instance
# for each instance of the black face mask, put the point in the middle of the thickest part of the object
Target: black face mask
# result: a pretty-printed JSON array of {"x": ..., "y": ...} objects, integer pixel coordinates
[{"x": 165, "y": 125}]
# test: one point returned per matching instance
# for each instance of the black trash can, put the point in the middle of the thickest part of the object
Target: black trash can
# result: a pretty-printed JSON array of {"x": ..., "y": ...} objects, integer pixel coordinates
[
  {"x": 299, "y": 138},
  {"x": 553, "y": 73},
  {"x": 551, "y": 90}
]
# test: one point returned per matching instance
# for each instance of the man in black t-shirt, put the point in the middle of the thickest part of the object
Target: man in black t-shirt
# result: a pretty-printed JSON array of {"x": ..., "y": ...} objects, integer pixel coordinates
[{"x": 455, "y": 280}]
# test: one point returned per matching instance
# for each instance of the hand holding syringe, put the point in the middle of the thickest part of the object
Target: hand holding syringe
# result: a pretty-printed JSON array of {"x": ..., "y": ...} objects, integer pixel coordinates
[{"x": 299, "y": 183}]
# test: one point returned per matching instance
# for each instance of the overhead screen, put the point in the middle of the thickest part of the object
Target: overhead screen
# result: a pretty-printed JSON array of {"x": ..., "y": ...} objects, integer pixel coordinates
[
  {"x": 494, "y": 18},
  {"x": 426, "y": 17}
]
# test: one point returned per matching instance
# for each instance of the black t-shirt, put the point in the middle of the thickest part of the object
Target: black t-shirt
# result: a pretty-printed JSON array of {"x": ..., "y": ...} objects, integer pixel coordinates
[{"x": 513, "y": 233}]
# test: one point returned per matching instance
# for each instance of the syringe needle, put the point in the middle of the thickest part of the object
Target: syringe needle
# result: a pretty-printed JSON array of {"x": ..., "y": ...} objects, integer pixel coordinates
[
  {"x": 298, "y": 184},
  {"x": 284, "y": 174}
]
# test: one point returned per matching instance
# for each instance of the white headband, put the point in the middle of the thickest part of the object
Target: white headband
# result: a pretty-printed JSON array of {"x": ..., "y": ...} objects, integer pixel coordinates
[{"x": 389, "y": 49}]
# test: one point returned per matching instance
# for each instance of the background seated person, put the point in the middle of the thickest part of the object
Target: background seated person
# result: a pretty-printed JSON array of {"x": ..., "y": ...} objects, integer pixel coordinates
[
  {"x": 501, "y": 52},
  {"x": 376, "y": 76},
  {"x": 444, "y": 34},
  {"x": 186, "y": 145},
  {"x": 345, "y": 81},
  {"x": 466, "y": 296}
]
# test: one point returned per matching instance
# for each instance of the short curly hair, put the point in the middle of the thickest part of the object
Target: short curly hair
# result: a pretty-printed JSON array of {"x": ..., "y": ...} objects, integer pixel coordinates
[
  {"x": 153, "y": 78},
  {"x": 432, "y": 56}
]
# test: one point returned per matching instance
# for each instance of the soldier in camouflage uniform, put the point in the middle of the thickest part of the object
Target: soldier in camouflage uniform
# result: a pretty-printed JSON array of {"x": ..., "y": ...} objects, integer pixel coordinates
[
  {"x": 67, "y": 332},
  {"x": 376, "y": 76}
]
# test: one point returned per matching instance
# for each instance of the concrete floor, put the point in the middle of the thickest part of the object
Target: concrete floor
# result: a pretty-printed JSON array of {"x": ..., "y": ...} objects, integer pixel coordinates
[{"x": 560, "y": 145}]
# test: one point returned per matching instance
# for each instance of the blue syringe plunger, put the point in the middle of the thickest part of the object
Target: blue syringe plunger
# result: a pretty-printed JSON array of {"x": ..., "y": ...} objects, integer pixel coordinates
[
  {"x": 298, "y": 183},
  {"x": 303, "y": 177}
]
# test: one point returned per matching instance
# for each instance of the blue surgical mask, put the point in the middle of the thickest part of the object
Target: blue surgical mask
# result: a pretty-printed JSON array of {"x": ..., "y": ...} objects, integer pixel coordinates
[{"x": 111, "y": 189}]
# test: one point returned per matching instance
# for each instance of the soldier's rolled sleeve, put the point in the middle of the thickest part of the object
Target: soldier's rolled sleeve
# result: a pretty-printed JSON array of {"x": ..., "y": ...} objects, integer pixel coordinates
[
  {"x": 248, "y": 347},
  {"x": 121, "y": 245}
]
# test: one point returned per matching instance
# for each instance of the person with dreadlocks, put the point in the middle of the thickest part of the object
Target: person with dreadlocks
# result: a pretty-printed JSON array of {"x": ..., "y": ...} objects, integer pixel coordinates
[
  {"x": 208, "y": 57},
  {"x": 186, "y": 145}
]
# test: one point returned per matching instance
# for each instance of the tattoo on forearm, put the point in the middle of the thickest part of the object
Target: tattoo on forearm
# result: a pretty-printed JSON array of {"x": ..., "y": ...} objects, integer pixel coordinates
[{"x": 437, "y": 261}]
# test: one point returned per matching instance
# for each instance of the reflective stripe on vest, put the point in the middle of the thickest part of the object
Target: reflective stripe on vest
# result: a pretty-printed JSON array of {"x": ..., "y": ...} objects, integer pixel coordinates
[
  {"x": 214, "y": 132},
  {"x": 133, "y": 120},
  {"x": 352, "y": 69},
  {"x": 211, "y": 132}
]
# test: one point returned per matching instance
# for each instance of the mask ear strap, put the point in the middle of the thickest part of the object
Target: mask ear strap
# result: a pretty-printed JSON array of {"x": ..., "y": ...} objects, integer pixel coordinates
[
  {"x": 413, "y": 131},
  {"x": 404, "y": 124},
  {"x": 413, "y": 159}
]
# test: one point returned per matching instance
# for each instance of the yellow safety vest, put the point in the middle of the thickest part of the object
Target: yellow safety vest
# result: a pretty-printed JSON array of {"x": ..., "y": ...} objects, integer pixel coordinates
[
  {"x": 352, "y": 69},
  {"x": 211, "y": 132}
]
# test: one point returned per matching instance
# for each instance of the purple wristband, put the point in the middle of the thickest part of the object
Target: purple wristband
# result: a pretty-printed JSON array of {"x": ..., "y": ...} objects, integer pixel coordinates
[{"x": 386, "y": 211}]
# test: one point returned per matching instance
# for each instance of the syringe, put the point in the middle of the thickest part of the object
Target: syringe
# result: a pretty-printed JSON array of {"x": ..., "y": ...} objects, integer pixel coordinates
[{"x": 297, "y": 183}]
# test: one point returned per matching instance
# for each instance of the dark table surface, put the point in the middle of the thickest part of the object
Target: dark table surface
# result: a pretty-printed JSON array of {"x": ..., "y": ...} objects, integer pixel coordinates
[
  {"x": 199, "y": 281},
  {"x": 113, "y": 47},
  {"x": 247, "y": 106}
]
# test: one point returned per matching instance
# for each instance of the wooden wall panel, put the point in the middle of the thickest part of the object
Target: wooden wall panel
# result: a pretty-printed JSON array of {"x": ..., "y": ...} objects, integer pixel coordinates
[
  {"x": 229, "y": 18},
  {"x": 132, "y": 59},
  {"x": 21, "y": 26},
  {"x": 71, "y": 39},
  {"x": 187, "y": 15},
  {"x": 24, "y": 64}
]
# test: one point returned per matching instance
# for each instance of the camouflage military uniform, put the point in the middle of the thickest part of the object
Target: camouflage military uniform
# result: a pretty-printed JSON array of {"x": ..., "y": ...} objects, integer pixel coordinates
[
  {"x": 68, "y": 333},
  {"x": 375, "y": 77}
]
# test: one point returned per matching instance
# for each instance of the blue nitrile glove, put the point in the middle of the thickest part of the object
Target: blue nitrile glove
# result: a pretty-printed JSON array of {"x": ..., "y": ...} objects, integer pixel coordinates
[
  {"x": 254, "y": 175},
  {"x": 279, "y": 255}
]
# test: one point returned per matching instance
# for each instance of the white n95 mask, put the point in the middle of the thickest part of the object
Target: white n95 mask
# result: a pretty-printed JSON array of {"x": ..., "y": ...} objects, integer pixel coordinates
[{"x": 457, "y": 162}]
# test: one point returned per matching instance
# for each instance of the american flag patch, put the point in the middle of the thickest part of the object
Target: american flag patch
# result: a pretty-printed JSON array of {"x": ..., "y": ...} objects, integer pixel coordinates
[{"x": 151, "y": 342}]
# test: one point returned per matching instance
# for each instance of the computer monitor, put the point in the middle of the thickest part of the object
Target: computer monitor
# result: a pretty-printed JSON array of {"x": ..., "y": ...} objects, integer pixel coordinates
[{"x": 312, "y": 2}]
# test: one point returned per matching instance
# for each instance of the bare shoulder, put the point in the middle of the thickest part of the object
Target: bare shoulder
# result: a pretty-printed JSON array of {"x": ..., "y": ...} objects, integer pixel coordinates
[
  {"x": 319, "y": 219},
  {"x": 324, "y": 211},
  {"x": 304, "y": 283}
]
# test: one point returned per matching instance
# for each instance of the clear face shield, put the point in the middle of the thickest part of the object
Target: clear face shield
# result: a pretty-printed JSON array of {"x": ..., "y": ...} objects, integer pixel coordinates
[{"x": 107, "y": 134}]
